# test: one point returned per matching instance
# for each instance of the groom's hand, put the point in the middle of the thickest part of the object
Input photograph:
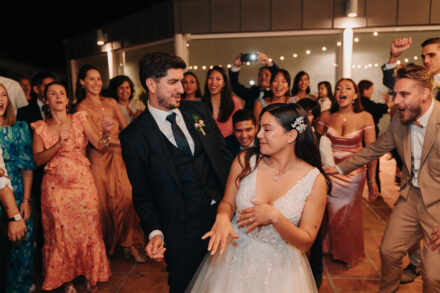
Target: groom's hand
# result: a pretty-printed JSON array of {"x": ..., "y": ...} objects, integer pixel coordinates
[{"x": 155, "y": 248}]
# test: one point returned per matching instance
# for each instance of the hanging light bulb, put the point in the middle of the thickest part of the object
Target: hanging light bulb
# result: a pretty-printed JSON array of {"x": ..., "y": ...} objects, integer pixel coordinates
[
  {"x": 324, "y": 48},
  {"x": 308, "y": 52},
  {"x": 281, "y": 58},
  {"x": 375, "y": 34},
  {"x": 294, "y": 55},
  {"x": 338, "y": 44}
]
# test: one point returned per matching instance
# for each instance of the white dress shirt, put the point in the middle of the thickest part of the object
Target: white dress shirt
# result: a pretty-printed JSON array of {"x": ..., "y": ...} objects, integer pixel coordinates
[
  {"x": 417, "y": 139},
  {"x": 40, "y": 106},
  {"x": 160, "y": 117},
  {"x": 15, "y": 93}
]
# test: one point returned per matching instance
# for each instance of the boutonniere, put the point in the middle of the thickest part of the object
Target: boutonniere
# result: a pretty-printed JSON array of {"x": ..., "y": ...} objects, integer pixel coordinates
[{"x": 199, "y": 124}]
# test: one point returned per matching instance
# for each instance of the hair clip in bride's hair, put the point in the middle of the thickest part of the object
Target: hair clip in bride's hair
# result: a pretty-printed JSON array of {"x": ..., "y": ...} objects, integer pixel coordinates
[{"x": 299, "y": 124}]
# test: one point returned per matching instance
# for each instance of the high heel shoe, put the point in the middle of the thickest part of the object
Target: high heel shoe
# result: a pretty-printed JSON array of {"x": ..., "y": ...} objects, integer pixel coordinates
[
  {"x": 69, "y": 288},
  {"x": 90, "y": 288},
  {"x": 134, "y": 252}
]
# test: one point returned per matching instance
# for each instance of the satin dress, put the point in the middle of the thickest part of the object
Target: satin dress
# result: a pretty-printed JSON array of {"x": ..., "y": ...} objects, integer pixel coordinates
[
  {"x": 344, "y": 238},
  {"x": 120, "y": 224}
]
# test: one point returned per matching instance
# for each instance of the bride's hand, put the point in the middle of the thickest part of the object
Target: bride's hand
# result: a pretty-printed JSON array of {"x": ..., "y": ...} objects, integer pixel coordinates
[
  {"x": 259, "y": 215},
  {"x": 219, "y": 234}
]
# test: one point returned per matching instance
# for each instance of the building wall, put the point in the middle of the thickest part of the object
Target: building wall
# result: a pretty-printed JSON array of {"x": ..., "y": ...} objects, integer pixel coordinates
[{"x": 222, "y": 16}]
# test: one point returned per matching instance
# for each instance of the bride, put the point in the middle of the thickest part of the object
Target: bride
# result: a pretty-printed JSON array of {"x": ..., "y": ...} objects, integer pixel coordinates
[{"x": 277, "y": 191}]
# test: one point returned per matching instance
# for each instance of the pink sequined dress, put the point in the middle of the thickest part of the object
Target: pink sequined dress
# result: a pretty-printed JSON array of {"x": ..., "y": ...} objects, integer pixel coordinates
[
  {"x": 73, "y": 244},
  {"x": 344, "y": 234}
]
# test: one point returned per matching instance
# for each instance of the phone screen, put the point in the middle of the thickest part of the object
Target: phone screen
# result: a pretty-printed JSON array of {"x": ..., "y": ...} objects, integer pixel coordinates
[{"x": 249, "y": 57}]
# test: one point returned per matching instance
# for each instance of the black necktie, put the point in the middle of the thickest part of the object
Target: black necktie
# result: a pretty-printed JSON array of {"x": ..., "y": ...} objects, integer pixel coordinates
[{"x": 182, "y": 143}]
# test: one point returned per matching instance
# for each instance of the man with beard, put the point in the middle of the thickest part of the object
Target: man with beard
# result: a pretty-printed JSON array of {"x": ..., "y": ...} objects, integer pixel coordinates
[
  {"x": 431, "y": 60},
  {"x": 262, "y": 88},
  {"x": 177, "y": 163},
  {"x": 415, "y": 133}
]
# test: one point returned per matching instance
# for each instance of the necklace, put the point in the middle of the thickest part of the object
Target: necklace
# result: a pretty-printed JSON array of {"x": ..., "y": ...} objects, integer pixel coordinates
[{"x": 278, "y": 174}]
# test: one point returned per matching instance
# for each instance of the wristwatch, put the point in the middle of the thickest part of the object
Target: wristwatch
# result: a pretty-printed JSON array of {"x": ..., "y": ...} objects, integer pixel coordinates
[{"x": 15, "y": 218}]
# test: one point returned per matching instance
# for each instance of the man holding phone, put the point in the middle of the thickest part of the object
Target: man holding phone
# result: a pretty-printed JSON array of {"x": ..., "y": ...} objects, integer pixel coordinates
[{"x": 251, "y": 94}]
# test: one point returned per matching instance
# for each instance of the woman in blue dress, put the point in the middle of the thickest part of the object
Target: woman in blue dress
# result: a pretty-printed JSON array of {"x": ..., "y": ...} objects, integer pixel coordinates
[{"x": 16, "y": 144}]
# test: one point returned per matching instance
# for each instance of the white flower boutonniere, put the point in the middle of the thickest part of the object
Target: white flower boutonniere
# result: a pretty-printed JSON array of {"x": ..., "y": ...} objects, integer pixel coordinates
[{"x": 199, "y": 124}]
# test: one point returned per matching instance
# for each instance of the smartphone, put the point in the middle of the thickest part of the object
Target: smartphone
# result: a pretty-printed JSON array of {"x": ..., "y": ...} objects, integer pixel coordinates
[{"x": 249, "y": 57}]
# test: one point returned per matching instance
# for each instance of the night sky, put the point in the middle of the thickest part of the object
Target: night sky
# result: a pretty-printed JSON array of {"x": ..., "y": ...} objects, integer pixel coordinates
[{"x": 32, "y": 31}]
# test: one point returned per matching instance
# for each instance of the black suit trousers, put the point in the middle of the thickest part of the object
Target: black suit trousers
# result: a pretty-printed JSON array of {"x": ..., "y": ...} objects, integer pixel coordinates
[{"x": 184, "y": 257}]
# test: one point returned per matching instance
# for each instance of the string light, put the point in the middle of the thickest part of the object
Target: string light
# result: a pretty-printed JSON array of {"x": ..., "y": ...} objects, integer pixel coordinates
[
  {"x": 359, "y": 66},
  {"x": 369, "y": 65},
  {"x": 398, "y": 62},
  {"x": 187, "y": 44},
  {"x": 220, "y": 65},
  {"x": 415, "y": 57},
  {"x": 338, "y": 44},
  {"x": 324, "y": 48},
  {"x": 294, "y": 55},
  {"x": 366, "y": 67},
  {"x": 195, "y": 67},
  {"x": 375, "y": 34},
  {"x": 211, "y": 67},
  {"x": 406, "y": 60},
  {"x": 191, "y": 67},
  {"x": 375, "y": 64},
  {"x": 204, "y": 67},
  {"x": 248, "y": 63},
  {"x": 281, "y": 57},
  {"x": 335, "y": 65},
  {"x": 308, "y": 52},
  {"x": 270, "y": 59},
  {"x": 356, "y": 40},
  {"x": 229, "y": 66},
  {"x": 353, "y": 66},
  {"x": 251, "y": 82}
]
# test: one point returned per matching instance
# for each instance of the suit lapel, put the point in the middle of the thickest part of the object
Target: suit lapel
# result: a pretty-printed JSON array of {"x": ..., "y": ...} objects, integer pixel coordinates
[
  {"x": 205, "y": 141},
  {"x": 156, "y": 139},
  {"x": 406, "y": 135},
  {"x": 431, "y": 132}
]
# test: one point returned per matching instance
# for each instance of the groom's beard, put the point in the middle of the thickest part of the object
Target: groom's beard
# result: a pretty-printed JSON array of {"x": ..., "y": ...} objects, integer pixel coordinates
[{"x": 169, "y": 102}]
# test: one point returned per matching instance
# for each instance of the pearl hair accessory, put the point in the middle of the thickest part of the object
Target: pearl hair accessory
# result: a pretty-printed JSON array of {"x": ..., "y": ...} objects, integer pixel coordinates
[{"x": 299, "y": 124}]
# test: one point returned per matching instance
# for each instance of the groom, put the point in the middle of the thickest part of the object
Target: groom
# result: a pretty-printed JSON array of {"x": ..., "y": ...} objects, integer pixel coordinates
[{"x": 178, "y": 163}]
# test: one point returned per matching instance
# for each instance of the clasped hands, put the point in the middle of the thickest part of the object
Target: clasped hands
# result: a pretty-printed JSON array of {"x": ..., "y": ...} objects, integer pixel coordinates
[
  {"x": 434, "y": 242},
  {"x": 259, "y": 215}
]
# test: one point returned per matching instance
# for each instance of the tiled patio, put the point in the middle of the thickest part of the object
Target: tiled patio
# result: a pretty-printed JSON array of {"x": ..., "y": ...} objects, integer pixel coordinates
[{"x": 363, "y": 277}]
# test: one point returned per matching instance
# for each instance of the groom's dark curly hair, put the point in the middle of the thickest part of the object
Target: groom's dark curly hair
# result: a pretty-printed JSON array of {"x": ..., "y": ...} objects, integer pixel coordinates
[{"x": 155, "y": 65}]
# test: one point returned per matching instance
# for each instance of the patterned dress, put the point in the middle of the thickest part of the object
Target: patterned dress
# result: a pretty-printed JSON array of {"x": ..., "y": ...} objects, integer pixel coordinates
[
  {"x": 73, "y": 244},
  {"x": 16, "y": 144}
]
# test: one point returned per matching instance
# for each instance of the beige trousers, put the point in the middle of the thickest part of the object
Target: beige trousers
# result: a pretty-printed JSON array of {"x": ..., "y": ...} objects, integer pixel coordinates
[{"x": 409, "y": 222}]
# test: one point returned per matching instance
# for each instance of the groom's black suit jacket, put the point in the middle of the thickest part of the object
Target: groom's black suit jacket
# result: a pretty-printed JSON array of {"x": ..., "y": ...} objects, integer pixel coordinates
[{"x": 157, "y": 191}]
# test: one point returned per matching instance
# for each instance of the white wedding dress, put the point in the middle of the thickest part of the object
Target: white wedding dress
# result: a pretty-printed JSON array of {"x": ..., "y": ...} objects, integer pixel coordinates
[{"x": 260, "y": 261}]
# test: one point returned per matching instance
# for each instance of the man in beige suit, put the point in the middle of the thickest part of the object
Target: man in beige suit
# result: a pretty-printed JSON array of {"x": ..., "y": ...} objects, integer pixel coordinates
[{"x": 415, "y": 132}]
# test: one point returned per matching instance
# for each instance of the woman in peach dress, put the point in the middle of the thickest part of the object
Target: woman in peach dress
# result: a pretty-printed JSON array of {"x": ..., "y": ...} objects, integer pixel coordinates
[
  {"x": 349, "y": 128},
  {"x": 119, "y": 220},
  {"x": 73, "y": 244}
]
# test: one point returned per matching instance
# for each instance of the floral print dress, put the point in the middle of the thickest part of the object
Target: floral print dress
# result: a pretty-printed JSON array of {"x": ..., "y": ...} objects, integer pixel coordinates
[
  {"x": 73, "y": 244},
  {"x": 16, "y": 144}
]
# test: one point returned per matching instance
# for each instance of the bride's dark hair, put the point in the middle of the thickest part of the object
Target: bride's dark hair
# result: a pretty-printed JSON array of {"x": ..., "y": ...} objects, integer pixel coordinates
[{"x": 306, "y": 147}]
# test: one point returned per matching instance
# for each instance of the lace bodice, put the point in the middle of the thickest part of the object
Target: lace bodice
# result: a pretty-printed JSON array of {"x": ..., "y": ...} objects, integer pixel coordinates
[{"x": 290, "y": 204}]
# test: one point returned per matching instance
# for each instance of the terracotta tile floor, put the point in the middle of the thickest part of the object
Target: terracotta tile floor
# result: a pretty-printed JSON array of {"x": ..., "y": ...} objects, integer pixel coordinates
[{"x": 363, "y": 277}]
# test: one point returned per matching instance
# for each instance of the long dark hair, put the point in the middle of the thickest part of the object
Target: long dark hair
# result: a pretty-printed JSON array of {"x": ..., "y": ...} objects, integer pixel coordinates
[
  {"x": 80, "y": 91},
  {"x": 357, "y": 106},
  {"x": 364, "y": 85},
  {"x": 198, "y": 92},
  {"x": 306, "y": 147},
  {"x": 117, "y": 81},
  {"x": 328, "y": 86},
  {"x": 286, "y": 76},
  {"x": 226, "y": 103},
  {"x": 296, "y": 80}
]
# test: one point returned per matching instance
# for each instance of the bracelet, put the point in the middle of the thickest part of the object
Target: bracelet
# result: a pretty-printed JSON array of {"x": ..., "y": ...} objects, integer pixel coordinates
[{"x": 26, "y": 199}]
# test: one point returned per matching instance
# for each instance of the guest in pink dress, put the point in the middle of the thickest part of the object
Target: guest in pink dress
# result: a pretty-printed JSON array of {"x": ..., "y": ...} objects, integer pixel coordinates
[
  {"x": 348, "y": 127},
  {"x": 218, "y": 96},
  {"x": 73, "y": 244}
]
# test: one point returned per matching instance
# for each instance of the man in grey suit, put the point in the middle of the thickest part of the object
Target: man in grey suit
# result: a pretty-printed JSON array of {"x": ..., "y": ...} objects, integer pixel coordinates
[{"x": 415, "y": 132}]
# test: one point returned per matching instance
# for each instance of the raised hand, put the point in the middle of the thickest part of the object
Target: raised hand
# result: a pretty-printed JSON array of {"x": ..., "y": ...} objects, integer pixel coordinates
[
  {"x": 263, "y": 59},
  {"x": 220, "y": 233},
  {"x": 237, "y": 61},
  {"x": 399, "y": 45}
]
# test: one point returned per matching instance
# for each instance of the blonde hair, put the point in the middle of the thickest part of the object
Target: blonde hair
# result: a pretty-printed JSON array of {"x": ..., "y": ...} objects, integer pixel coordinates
[
  {"x": 9, "y": 115},
  {"x": 417, "y": 73}
]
